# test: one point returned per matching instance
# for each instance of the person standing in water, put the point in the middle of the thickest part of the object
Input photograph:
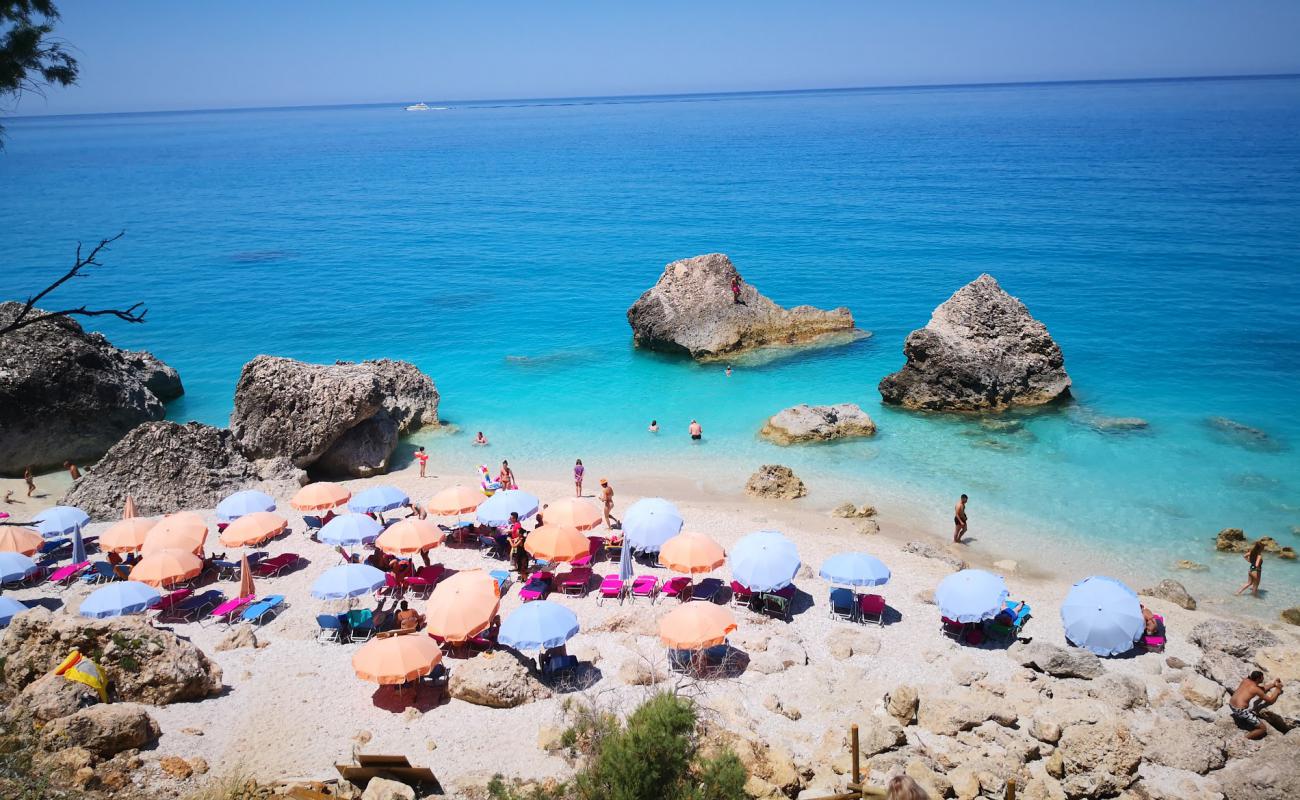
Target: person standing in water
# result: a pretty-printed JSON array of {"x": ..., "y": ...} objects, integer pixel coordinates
[
  {"x": 1256, "y": 560},
  {"x": 578, "y": 470},
  {"x": 697, "y": 433},
  {"x": 728, "y": 370},
  {"x": 654, "y": 426},
  {"x": 607, "y": 501},
  {"x": 31, "y": 483},
  {"x": 480, "y": 440},
  {"x": 423, "y": 458},
  {"x": 959, "y": 520}
]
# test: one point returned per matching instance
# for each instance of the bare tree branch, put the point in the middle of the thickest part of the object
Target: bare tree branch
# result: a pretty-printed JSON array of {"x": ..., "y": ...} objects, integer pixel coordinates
[{"x": 133, "y": 313}]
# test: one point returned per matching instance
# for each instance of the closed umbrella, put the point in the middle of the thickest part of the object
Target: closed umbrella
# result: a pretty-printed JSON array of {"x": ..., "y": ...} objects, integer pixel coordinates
[
  {"x": 455, "y": 501},
  {"x": 574, "y": 512},
  {"x": 971, "y": 595},
  {"x": 128, "y": 510},
  {"x": 239, "y": 504},
  {"x": 463, "y": 605},
  {"x": 396, "y": 659},
  {"x": 246, "y": 588},
  {"x": 181, "y": 531},
  {"x": 20, "y": 540},
  {"x": 78, "y": 548},
  {"x": 117, "y": 599},
  {"x": 9, "y": 608},
  {"x": 695, "y": 626},
  {"x": 410, "y": 536},
  {"x": 320, "y": 496},
  {"x": 252, "y": 529},
  {"x": 378, "y": 499},
  {"x": 126, "y": 536},
  {"x": 855, "y": 569},
  {"x": 60, "y": 521},
  {"x": 625, "y": 561},
  {"x": 167, "y": 567},
  {"x": 496, "y": 509},
  {"x": 15, "y": 566},
  {"x": 650, "y": 522},
  {"x": 347, "y": 580},
  {"x": 764, "y": 561},
  {"x": 349, "y": 530},
  {"x": 557, "y": 543},
  {"x": 692, "y": 554},
  {"x": 1102, "y": 615},
  {"x": 539, "y": 625}
]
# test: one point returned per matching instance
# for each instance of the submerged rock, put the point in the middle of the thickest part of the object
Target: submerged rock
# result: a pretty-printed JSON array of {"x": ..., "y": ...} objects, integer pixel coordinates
[
  {"x": 805, "y": 423},
  {"x": 775, "y": 482},
  {"x": 691, "y": 310},
  {"x": 1233, "y": 432},
  {"x": 341, "y": 419},
  {"x": 70, "y": 395},
  {"x": 165, "y": 466},
  {"x": 981, "y": 351}
]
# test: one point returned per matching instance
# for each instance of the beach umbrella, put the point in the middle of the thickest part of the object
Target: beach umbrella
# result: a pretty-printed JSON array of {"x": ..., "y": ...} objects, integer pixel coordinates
[
  {"x": 78, "y": 548},
  {"x": 116, "y": 599},
  {"x": 396, "y": 659},
  {"x": 60, "y": 521},
  {"x": 126, "y": 536},
  {"x": 463, "y": 605},
  {"x": 347, "y": 580},
  {"x": 252, "y": 529},
  {"x": 378, "y": 499},
  {"x": 574, "y": 512},
  {"x": 128, "y": 508},
  {"x": 625, "y": 561},
  {"x": 9, "y": 608},
  {"x": 692, "y": 554},
  {"x": 855, "y": 569},
  {"x": 249, "y": 501},
  {"x": 557, "y": 543},
  {"x": 183, "y": 530},
  {"x": 495, "y": 510},
  {"x": 246, "y": 588},
  {"x": 167, "y": 567},
  {"x": 455, "y": 501},
  {"x": 1102, "y": 615},
  {"x": 539, "y": 625},
  {"x": 410, "y": 536},
  {"x": 695, "y": 626},
  {"x": 349, "y": 530},
  {"x": 650, "y": 522},
  {"x": 320, "y": 496},
  {"x": 15, "y": 566},
  {"x": 20, "y": 540},
  {"x": 764, "y": 561},
  {"x": 971, "y": 595}
]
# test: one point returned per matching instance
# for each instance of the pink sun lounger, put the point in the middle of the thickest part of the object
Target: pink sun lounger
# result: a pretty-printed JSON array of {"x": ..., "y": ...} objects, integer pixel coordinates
[
  {"x": 65, "y": 575},
  {"x": 645, "y": 586},
  {"x": 229, "y": 609},
  {"x": 611, "y": 586}
]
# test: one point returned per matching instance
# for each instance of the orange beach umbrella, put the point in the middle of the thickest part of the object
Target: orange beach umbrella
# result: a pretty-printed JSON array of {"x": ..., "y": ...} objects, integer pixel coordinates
[
  {"x": 691, "y": 554},
  {"x": 463, "y": 605},
  {"x": 320, "y": 496},
  {"x": 695, "y": 626},
  {"x": 410, "y": 536},
  {"x": 183, "y": 530},
  {"x": 20, "y": 540},
  {"x": 396, "y": 659},
  {"x": 167, "y": 567},
  {"x": 246, "y": 578},
  {"x": 128, "y": 511},
  {"x": 454, "y": 501},
  {"x": 126, "y": 536},
  {"x": 575, "y": 513},
  {"x": 557, "y": 543},
  {"x": 253, "y": 529}
]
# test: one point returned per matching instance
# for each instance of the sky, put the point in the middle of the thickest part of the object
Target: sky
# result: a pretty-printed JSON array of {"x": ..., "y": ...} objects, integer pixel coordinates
[{"x": 149, "y": 55}]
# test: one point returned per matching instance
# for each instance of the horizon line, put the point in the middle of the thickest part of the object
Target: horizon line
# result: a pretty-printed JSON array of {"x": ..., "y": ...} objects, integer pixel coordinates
[{"x": 674, "y": 95}]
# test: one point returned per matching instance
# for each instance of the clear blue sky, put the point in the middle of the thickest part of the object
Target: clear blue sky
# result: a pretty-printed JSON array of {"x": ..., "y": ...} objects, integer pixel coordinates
[{"x": 139, "y": 55}]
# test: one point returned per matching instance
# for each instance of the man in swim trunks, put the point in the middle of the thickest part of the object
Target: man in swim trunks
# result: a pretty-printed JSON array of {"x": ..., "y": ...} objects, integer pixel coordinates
[
  {"x": 697, "y": 432},
  {"x": 959, "y": 520},
  {"x": 1249, "y": 698}
]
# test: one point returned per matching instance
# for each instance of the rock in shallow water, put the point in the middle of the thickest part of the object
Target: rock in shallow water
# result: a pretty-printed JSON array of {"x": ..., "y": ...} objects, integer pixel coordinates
[
  {"x": 981, "y": 351},
  {"x": 1173, "y": 591},
  {"x": 775, "y": 482},
  {"x": 805, "y": 423}
]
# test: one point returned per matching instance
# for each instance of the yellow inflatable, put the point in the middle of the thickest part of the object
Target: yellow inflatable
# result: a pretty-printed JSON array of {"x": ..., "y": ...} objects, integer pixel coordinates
[{"x": 77, "y": 667}]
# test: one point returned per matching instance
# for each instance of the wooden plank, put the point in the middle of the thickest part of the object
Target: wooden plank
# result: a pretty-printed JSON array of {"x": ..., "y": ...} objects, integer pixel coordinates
[{"x": 375, "y": 760}]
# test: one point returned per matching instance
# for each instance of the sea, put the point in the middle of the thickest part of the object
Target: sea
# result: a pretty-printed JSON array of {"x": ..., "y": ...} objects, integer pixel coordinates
[{"x": 1153, "y": 226}]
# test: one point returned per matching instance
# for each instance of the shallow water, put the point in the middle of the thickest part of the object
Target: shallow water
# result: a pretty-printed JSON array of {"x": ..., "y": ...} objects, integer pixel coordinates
[{"x": 1154, "y": 227}]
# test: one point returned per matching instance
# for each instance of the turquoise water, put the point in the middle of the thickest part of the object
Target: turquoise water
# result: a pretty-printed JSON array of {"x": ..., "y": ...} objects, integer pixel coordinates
[{"x": 1154, "y": 227}]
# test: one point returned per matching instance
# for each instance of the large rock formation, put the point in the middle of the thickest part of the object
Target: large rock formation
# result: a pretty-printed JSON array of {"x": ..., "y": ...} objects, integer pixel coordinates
[
  {"x": 775, "y": 482},
  {"x": 981, "y": 351},
  {"x": 805, "y": 423},
  {"x": 343, "y": 419},
  {"x": 502, "y": 681},
  {"x": 691, "y": 310},
  {"x": 70, "y": 395},
  {"x": 166, "y": 466}
]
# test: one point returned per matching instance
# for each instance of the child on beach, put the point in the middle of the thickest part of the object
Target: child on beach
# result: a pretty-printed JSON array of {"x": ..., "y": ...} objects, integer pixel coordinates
[
  {"x": 578, "y": 469},
  {"x": 423, "y": 459}
]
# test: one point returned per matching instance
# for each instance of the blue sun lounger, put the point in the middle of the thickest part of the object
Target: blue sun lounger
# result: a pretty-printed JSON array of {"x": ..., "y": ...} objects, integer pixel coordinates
[{"x": 259, "y": 611}]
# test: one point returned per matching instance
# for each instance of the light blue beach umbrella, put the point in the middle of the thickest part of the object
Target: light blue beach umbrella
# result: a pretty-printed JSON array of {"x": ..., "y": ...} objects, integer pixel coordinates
[
  {"x": 855, "y": 569},
  {"x": 60, "y": 521},
  {"x": 765, "y": 561},
  {"x": 971, "y": 595},
  {"x": 241, "y": 503},
  {"x": 539, "y": 625},
  {"x": 625, "y": 561},
  {"x": 15, "y": 566},
  {"x": 116, "y": 599},
  {"x": 349, "y": 530},
  {"x": 9, "y": 607},
  {"x": 378, "y": 499},
  {"x": 650, "y": 522},
  {"x": 495, "y": 510},
  {"x": 1102, "y": 615},
  {"x": 78, "y": 548},
  {"x": 347, "y": 580}
]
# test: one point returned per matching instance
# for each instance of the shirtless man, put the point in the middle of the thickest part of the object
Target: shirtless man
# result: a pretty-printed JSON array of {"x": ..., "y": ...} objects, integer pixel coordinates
[
  {"x": 697, "y": 432},
  {"x": 1249, "y": 698},
  {"x": 959, "y": 520},
  {"x": 607, "y": 500},
  {"x": 408, "y": 619}
]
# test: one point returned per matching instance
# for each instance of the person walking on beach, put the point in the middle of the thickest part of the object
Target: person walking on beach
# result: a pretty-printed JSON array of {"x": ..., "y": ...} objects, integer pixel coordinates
[
  {"x": 31, "y": 484},
  {"x": 506, "y": 477},
  {"x": 697, "y": 433},
  {"x": 578, "y": 469},
  {"x": 423, "y": 459},
  {"x": 72, "y": 470},
  {"x": 607, "y": 501},
  {"x": 959, "y": 520},
  {"x": 1256, "y": 559},
  {"x": 735, "y": 290},
  {"x": 1249, "y": 698}
]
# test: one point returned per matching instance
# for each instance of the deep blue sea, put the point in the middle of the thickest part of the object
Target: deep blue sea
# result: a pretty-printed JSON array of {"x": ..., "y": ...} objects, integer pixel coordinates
[{"x": 1153, "y": 226}]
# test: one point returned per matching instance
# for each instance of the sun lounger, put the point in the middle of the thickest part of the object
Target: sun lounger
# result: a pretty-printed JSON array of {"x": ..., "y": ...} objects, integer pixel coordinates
[
  {"x": 538, "y": 586},
  {"x": 574, "y": 581},
  {"x": 1154, "y": 643},
  {"x": 329, "y": 627},
  {"x": 998, "y": 627},
  {"x": 644, "y": 586},
  {"x": 871, "y": 608},
  {"x": 65, "y": 575},
  {"x": 266, "y": 607},
  {"x": 273, "y": 567},
  {"x": 226, "y": 570},
  {"x": 52, "y": 546},
  {"x": 681, "y": 661},
  {"x": 485, "y": 642},
  {"x": 502, "y": 578},
  {"x": 312, "y": 523},
  {"x": 843, "y": 604},
  {"x": 597, "y": 544},
  {"x": 559, "y": 665},
  {"x": 343, "y": 554},
  {"x": 192, "y": 607},
  {"x": 611, "y": 586},
  {"x": 99, "y": 572},
  {"x": 741, "y": 595},
  {"x": 679, "y": 587},
  {"x": 708, "y": 590},
  {"x": 361, "y": 623},
  {"x": 173, "y": 599},
  {"x": 613, "y": 548},
  {"x": 778, "y": 603},
  {"x": 227, "y": 611}
]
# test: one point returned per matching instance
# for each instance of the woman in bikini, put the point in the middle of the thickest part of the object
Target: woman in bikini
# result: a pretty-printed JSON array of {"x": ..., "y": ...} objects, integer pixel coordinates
[{"x": 1256, "y": 559}]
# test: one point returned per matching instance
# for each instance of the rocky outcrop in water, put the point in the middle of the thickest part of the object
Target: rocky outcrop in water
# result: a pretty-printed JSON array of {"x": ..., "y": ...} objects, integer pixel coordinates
[
  {"x": 166, "y": 467},
  {"x": 66, "y": 394},
  {"x": 775, "y": 482},
  {"x": 342, "y": 419},
  {"x": 981, "y": 351},
  {"x": 691, "y": 310},
  {"x": 805, "y": 423}
]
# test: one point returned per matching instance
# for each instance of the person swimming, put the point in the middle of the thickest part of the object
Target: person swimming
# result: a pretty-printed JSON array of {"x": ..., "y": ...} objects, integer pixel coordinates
[
  {"x": 654, "y": 426},
  {"x": 480, "y": 439},
  {"x": 697, "y": 433}
]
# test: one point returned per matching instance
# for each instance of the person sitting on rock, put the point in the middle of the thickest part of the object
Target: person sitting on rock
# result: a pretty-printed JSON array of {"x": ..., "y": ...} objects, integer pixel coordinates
[{"x": 1249, "y": 698}]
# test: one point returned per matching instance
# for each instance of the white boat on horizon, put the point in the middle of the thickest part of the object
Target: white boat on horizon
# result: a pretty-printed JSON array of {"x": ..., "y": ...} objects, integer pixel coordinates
[{"x": 418, "y": 107}]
